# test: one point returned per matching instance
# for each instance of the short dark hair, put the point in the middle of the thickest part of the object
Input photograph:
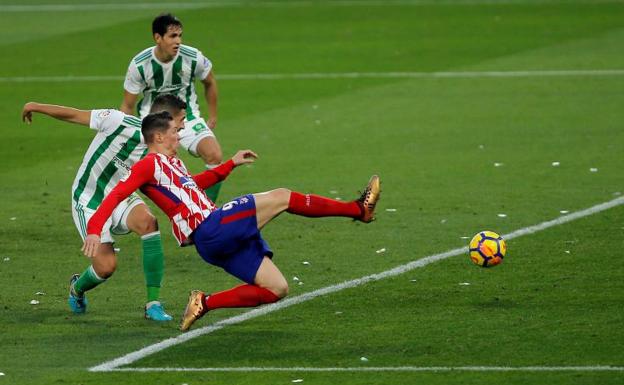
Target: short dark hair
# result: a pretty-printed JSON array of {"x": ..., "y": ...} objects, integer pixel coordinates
[
  {"x": 169, "y": 103},
  {"x": 156, "y": 122},
  {"x": 162, "y": 22}
]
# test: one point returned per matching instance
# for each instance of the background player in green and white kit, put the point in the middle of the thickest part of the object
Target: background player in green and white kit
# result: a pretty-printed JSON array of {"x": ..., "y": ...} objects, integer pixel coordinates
[
  {"x": 171, "y": 68},
  {"x": 117, "y": 145}
]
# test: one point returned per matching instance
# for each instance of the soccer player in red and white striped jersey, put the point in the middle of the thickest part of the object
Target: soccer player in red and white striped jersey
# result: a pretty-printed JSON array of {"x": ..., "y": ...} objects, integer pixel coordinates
[{"x": 229, "y": 236}]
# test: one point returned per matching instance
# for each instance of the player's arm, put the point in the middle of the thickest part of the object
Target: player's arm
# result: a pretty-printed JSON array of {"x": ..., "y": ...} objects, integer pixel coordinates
[
  {"x": 140, "y": 174},
  {"x": 128, "y": 102},
  {"x": 134, "y": 84},
  {"x": 210, "y": 93},
  {"x": 219, "y": 173},
  {"x": 67, "y": 114}
]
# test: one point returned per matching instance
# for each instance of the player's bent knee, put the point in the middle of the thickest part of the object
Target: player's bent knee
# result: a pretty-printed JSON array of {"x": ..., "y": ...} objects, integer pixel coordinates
[
  {"x": 281, "y": 195},
  {"x": 150, "y": 224},
  {"x": 280, "y": 289},
  {"x": 105, "y": 269},
  {"x": 143, "y": 223}
]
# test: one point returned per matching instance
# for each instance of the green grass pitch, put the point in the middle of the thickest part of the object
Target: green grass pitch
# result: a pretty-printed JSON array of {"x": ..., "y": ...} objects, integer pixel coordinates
[{"x": 556, "y": 300}]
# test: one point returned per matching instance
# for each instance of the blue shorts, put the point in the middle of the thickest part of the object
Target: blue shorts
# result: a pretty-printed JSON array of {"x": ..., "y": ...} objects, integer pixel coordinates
[{"x": 229, "y": 238}]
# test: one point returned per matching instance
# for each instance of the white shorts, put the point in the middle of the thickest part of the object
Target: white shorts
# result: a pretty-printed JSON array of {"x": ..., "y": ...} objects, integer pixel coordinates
[
  {"x": 194, "y": 131},
  {"x": 116, "y": 224}
]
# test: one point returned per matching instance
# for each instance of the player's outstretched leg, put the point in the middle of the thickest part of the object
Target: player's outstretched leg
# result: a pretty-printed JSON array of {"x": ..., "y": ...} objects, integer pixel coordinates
[
  {"x": 270, "y": 204},
  {"x": 362, "y": 209},
  {"x": 369, "y": 199}
]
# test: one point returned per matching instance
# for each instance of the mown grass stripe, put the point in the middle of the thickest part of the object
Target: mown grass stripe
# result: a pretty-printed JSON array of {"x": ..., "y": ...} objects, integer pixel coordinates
[
  {"x": 598, "y": 368},
  {"x": 275, "y": 4},
  {"x": 345, "y": 75}
]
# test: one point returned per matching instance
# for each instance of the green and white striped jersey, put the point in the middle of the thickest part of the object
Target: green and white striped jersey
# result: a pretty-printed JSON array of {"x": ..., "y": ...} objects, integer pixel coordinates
[
  {"x": 147, "y": 75},
  {"x": 117, "y": 145}
]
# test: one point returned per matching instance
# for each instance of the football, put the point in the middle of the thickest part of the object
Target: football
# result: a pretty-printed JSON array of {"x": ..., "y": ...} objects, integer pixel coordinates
[{"x": 487, "y": 249}]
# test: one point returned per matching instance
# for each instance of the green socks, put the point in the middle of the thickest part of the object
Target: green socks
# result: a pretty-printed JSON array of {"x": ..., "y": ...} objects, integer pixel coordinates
[
  {"x": 87, "y": 281},
  {"x": 153, "y": 264},
  {"x": 153, "y": 267}
]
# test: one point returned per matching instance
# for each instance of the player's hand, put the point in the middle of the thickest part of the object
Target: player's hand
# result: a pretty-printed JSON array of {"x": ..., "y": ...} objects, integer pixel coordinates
[
  {"x": 212, "y": 122},
  {"x": 244, "y": 156},
  {"x": 91, "y": 244},
  {"x": 27, "y": 112}
]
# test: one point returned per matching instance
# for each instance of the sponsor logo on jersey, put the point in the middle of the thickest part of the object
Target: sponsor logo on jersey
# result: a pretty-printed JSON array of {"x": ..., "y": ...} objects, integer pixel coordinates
[
  {"x": 104, "y": 113},
  {"x": 170, "y": 88},
  {"x": 121, "y": 165},
  {"x": 187, "y": 182}
]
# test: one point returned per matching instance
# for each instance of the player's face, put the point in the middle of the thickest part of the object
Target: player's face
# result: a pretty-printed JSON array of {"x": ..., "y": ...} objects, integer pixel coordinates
[
  {"x": 169, "y": 43},
  {"x": 171, "y": 138},
  {"x": 179, "y": 118}
]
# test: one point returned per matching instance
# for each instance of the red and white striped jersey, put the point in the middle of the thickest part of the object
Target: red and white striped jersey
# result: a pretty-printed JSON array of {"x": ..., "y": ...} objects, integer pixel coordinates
[{"x": 166, "y": 181}]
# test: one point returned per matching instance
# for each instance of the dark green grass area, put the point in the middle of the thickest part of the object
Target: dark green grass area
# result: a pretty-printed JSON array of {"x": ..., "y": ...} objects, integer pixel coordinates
[{"x": 434, "y": 141}]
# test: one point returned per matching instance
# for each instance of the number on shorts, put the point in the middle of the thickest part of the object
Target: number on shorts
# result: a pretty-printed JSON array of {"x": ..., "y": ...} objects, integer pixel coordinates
[{"x": 229, "y": 205}]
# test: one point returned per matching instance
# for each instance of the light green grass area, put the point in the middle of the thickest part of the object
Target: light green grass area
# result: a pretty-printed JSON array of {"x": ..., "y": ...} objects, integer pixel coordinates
[{"x": 555, "y": 301}]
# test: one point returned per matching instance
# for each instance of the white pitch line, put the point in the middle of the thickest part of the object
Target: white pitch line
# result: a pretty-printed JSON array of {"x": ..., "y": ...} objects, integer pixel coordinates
[
  {"x": 257, "y": 312},
  {"x": 390, "y": 369},
  {"x": 338, "y": 75}
]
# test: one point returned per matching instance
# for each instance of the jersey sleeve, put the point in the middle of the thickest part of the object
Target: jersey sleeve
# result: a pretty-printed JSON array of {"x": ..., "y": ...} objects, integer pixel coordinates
[
  {"x": 105, "y": 120},
  {"x": 215, "y": 175},
  {"x": 134, "y": 82},
  {"x": 204, "y": 66},
  {"x": 141, "y": 173}
]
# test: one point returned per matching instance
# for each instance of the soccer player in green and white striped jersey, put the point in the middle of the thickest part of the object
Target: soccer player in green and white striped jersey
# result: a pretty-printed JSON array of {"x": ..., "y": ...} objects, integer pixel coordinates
[
  {"x": 171, "y": 68},
  {"x": 117, "y": 145}
]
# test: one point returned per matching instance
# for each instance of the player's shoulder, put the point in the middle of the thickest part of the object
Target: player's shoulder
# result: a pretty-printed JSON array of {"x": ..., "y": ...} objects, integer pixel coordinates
[
  {"x": 188, "y": 51},
  {"x": 107, "y": 114},
  {"x": 113, "y": 114},
  {"x": 110, "y": 119},
  {"x": 147, "y": 163},
  {"x": 130, "y": 120},
  {"x": 150, "y": 158},
  {"x": 142, "y": 56}
]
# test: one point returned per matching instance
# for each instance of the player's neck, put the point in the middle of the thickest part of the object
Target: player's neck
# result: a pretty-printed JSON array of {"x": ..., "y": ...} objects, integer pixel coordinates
[
  {"x": 162, "y": 56},
  {"x": 160, "y": 149}
]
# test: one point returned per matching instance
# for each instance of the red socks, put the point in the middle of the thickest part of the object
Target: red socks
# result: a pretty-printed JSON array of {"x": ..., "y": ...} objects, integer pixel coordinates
[
  {"x": 310, "y": 205},
  {"x": 240, "y": 296}
]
